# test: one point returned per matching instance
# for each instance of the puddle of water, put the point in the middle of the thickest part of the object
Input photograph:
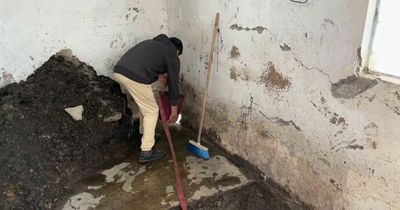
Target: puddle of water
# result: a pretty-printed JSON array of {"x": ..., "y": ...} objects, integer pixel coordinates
[
  {"x": 116, "y": 187},
  {"x": 121, "y": 173},
  {"x": 129, "y": 177},
  {"x": 169, "y": 204},
  {"x": 110, "y": 173},
  {"x": 213, "y": 175}
]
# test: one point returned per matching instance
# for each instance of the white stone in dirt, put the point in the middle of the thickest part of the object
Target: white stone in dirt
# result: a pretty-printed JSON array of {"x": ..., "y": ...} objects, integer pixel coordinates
[
  {"x": 75, "y": 112},
  {"x": 82, "y": 201}
]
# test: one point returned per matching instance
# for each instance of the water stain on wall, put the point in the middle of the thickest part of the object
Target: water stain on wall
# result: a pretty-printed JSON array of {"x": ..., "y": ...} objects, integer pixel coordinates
[
  {"x": 236, "y": 74},
  {"x": 329, "y": 21},
  {"x": 355, "y": 144},
  {"x": 132, "y": 10},
  {"x": 235, "y": 52},
  {"x": 8, "y": 77},
  {"x": 397, "y": 94},
  {"x": 271, "y": 77},
  {"x": 333, "y": 117},
  {"x": 113, "y": 43},
  {"x": 285, "y": 47},
  {"x": 359, "y": 57},
  {"x": 336, "y": 120},
  {"x": 233, "y": 73},
  {"x": 395, "y": 109},
  {"x": 259, "y": 29},
  {"x": 118, "y": 40},
  {"x": 351, "y": 86},
  {"x": 371, "y": 131},
  {"x": 135, "y": 9},
  {"x": 374, "y": 145},
  {"x": 336, "y": 185},
  {"x": 280, "y": 121}
]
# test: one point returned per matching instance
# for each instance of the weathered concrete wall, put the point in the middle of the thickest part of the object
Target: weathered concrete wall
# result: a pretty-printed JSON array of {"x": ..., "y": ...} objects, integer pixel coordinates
[
  {"x": 282, "y": 96},
  {"x": 98, "y": 32}
]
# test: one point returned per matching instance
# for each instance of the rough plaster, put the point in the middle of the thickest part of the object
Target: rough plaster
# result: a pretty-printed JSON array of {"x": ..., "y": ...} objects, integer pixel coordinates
[
  {"x": 272, "y": 97},
  {"x": 333, "y": 151},
  {"x": 98, "y": 32}
]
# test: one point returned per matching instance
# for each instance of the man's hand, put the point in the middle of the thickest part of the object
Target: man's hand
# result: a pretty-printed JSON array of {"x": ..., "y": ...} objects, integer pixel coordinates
[
  {"x": 174, "y": 114},
  {"x": 163, "y": 78}
]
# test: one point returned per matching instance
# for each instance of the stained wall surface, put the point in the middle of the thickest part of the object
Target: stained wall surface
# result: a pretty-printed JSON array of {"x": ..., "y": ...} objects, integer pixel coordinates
[
  {"x": 282, "y": 95},
  {"x": 98, "y": 32}
]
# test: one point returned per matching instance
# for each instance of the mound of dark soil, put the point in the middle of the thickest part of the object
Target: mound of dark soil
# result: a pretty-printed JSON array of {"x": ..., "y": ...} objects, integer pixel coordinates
[{"x": 42, "y": 149}]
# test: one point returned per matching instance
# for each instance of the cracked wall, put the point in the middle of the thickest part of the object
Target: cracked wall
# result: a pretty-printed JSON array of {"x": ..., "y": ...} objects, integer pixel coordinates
[
  {"x": 98, "y": 32},
  {"x": 282, "y": 96}
]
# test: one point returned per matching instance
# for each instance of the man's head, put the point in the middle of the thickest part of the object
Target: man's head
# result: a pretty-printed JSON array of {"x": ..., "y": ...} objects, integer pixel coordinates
[{"x": 178, "y": 44}]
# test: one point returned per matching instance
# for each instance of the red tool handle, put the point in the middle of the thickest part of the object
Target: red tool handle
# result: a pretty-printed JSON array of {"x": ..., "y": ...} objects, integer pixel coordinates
[{"x": 164, "y": 118}]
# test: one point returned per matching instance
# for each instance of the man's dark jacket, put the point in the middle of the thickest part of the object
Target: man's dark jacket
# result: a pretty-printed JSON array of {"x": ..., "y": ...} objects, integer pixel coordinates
[{"x": 145, "y": 61}]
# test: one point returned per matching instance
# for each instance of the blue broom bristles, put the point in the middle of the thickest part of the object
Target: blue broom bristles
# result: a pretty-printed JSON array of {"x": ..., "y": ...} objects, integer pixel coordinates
[{"x": 198, "y": 149}]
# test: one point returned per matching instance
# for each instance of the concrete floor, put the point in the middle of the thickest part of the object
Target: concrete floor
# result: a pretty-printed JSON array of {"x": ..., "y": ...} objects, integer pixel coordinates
[{"x": 130, "y": 185}]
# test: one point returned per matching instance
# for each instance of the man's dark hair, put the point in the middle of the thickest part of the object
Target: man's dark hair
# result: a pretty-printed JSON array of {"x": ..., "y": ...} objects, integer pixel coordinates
[{"x": 178, "y": 44}]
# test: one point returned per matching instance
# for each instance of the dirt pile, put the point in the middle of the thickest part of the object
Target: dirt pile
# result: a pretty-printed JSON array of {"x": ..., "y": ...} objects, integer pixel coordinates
[{"x": 42, "y": 149}]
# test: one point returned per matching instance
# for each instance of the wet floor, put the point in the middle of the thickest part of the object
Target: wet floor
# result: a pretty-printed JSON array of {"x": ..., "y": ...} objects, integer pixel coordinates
[{"x": 130, "y": 185}]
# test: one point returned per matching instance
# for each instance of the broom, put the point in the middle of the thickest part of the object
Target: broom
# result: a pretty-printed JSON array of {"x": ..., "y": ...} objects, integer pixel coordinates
[{"x": 193, "y": 146}]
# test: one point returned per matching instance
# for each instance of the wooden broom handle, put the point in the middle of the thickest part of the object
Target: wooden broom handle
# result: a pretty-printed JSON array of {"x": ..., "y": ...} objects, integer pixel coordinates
[{"x": 210, "y": 62}]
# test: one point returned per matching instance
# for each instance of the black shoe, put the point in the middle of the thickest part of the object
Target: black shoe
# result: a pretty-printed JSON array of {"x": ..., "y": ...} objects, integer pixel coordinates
[{"x": 148, "y": 156}]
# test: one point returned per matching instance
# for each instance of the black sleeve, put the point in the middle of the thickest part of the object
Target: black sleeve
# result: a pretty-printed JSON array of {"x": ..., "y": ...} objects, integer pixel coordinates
[
  {"x": 173, "y": 66},
  {"x": 160, "y": 37}
]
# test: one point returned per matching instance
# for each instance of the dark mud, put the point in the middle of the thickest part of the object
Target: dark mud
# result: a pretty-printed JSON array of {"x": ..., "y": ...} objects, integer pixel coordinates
[
  {"x": 253, "y": 196},
  {"x": 43, "y": 151}
]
